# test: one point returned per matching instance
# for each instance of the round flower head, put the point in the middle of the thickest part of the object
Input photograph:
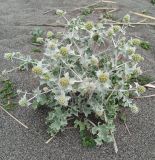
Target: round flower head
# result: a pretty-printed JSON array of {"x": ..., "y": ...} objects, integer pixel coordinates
[
  {"x": 126, "y": 18},
  {"x": 49, "y": 34},
  {"x": 60, "y": 12},
  {"x": 135, "y": 42},
  {"x": 137, "y": 71},
  {"x": 64, "y": 82},
  {"x": 59, "y": 35},
  {"x": 94, "y": 60},
  {"x": 89, "y": 25},
  {"x": 37, "y": 70},
  {"x": 23, "y": 102},
  {"x": 131, "y": 50},
  {"x": 102, "y": 77},
  {"x": 141, "y": 89},
  {"x": 87, "y": 87},
  {"x": 137, "y": 58},
  {"x": 110, "y": 32},
  {"x": 51, "y": 45},
  {"x": 64, "y": 51},
  {"x": 62, "y": 99},
  {"x": 99, "y": 113},
  {"x": 39, "y": 40},
  {"x": 116, "y": 28},
  {"x": 134, "y": 109},
  {"x": 122, "y": 41},
  {"x": 8, "y": 56}
]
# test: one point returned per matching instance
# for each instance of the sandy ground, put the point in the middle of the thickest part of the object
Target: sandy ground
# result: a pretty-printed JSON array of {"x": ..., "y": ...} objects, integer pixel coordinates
[{"x": 18, "y": 143}]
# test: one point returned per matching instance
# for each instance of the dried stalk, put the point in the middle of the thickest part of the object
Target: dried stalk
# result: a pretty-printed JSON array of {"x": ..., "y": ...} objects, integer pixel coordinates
[
  {"x": 49, "y": 140},
  {"x": 13, "y": 117},
  {"x": 144, "y": 20},
  {"x": 150, "y": 86},
  {"x": 127, "y": 129},
  {"x": 109, "y": 2},
  {"x": 133, "y": 23},
  {"x": 148, "y": 96},
  {"x": 105, "y": 9},
  {"x": 114, "y": 10},
  {"x": 63, "y": 26},
  {"x": 143, "y": 15},
  {"x": 114, "y": 141},
  {"x": 51, "y": 25},
  {"x": 91, "y": 5}
]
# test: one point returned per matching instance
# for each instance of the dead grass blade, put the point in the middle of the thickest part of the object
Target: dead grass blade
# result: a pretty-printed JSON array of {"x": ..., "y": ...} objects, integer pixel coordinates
[
  {"x": 143, "y": 15},
  {"x": 150, "y": 86},
  {"x": 49, "y": 140},
  {"x": 13, "y": 117},
  {"x": 148, "y": 96}
]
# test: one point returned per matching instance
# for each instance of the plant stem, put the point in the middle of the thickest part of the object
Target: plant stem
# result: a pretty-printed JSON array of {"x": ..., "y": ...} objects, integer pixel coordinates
[
  {"x": 40, "y": 94},
  {"x": 72, "y": 71}
]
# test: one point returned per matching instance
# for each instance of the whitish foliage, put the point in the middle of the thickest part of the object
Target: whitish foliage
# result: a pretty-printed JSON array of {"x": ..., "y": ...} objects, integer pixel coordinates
[{"x": 85, "y": 73}]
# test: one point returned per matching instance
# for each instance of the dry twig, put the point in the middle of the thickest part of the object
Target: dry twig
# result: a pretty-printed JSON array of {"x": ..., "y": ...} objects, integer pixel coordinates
[
  {"x": 144, "y": 20},
  {"x": 13, "y": 117},
  {"x": 150, "y": 86},
  {"x": 113, "y": 10},
  {"x": 109, "y": 2},
  {"x": 148, "y": 96},
  {"x": 109, "y": 23},
  {"x": 100, "y": 8},
  {"x": 143, "y": 15},
  {"x": 49, "y": 140},
  {"x": 115, "y": 144},
  {"x": 127, "y": 129},
  {"x": 51, "y": 25},
  {"x": 91, "y": 5}
]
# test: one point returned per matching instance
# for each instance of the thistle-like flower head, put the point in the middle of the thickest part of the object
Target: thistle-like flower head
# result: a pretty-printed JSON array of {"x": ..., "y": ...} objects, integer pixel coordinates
[
  {"x": 135, "y": 42},
  {"x": 49, "y": 34},
  {"x": 103, "y": 77},
  {"x": 94, "y": 60},
  {"x": 89, "y": 25},
  {"x": 126, "y": 18},
  {"x": 137, "y": 57},
  {"x": 116, "y": 28},
  {"x": 64, "y": 51},
  {"x": 110, "y": 32},
  {"x": 23, "y": 102},
  {"x": 39, "y": 40},
  {"x": 141, "y": 89},
  {"x": 64, "y": 82},
  {"x": 60, "y": 12},
  {"x": 37, "y": 70},
  {"x": 62, "y": 99},
  {"x": 8, "y": 56},
  {"x": 134, "y": 109},
  {"x": 131, "y": 50}
]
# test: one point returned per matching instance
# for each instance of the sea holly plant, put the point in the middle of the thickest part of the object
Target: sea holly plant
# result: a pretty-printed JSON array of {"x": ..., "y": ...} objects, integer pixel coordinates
[{"x": 85, "y": 75}]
